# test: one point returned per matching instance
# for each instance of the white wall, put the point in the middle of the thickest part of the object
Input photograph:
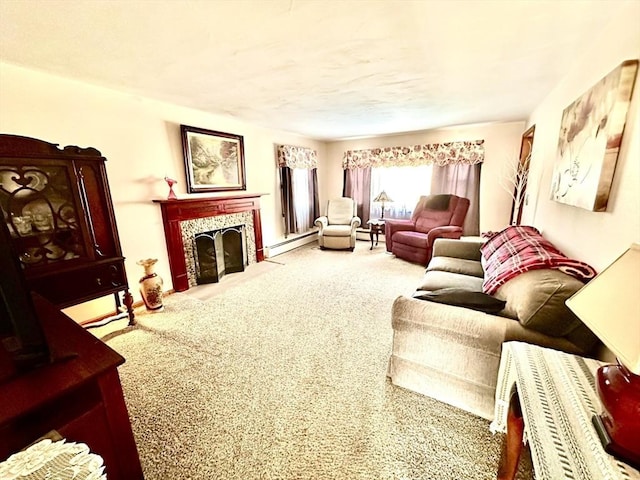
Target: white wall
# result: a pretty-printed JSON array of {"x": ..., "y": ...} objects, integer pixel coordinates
[
  {"x": 141, "y": 140},
  {"x": 595, "y": 237},
  {"x": 502, "y": 146}
]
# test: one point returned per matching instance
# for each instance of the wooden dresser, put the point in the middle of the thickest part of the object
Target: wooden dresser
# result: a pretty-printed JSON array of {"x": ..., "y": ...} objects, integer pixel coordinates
[{"x": 78, "y": 394}]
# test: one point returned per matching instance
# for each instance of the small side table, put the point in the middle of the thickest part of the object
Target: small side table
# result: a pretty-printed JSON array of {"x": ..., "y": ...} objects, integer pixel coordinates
[
  {"x": 551, "y": 406},
  {"x": 377, "y": 227}
]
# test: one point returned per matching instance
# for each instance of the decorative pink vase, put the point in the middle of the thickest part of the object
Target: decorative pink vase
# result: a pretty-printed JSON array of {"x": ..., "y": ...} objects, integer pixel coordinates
[
  {"x": 151, "y": 286},
  {"x": 171, "y": 182}
]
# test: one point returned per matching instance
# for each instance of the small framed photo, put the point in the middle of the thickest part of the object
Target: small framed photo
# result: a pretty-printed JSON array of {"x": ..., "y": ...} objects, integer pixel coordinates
[{"x": 214, "y": 161}]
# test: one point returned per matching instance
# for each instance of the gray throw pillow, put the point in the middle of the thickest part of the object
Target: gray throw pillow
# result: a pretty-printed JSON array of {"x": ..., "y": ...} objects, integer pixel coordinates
[
  {"x": 536, "y": 298},
  {"x": 460, "y": 297}
]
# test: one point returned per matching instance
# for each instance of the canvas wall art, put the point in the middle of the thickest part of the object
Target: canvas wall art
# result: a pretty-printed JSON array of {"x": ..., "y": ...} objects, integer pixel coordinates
[
  {"x": 590, "y": 137},
  {"x": 214, "y": 161}
]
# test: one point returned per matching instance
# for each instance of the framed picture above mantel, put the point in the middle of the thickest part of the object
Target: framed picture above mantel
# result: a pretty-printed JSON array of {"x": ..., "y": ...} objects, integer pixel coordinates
[{"x": 214, "y": 161}]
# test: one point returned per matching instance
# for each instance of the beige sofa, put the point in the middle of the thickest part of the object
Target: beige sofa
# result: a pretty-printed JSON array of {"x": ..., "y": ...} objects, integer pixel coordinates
[{"x": 451, "y": 352}]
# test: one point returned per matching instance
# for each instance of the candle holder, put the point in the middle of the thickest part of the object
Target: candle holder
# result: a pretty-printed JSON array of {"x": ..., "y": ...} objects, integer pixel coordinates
[{"x": 171, "y": 182}]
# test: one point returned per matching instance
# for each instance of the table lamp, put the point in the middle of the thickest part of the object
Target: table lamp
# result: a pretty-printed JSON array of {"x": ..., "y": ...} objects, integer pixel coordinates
[
  {"x": 610, "y": 306},
  {"x": 382, "y": 197}
]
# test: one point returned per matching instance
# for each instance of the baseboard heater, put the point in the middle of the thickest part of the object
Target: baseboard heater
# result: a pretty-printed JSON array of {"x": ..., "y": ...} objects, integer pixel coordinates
[
  {"x": 281, "y": 247},
  {"x": 290, "y": 240}
]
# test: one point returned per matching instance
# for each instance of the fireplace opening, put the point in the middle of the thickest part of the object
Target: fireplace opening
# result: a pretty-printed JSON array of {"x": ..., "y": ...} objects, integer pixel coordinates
[{"x": 219, "y": 252}]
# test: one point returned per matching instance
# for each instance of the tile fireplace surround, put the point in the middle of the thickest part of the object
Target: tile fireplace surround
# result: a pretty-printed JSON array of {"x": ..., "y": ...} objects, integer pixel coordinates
[{"x": 184, "y": 217}]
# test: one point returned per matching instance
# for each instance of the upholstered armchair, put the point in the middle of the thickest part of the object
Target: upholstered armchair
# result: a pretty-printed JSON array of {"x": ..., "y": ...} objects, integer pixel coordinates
[
  {"x": 435, "y": 216},
  {"x": 338, "y": 226}
]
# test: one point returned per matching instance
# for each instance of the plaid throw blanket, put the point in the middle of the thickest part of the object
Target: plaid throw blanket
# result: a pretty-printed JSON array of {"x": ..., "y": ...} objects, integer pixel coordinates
[{"x": 518, "y": 249}]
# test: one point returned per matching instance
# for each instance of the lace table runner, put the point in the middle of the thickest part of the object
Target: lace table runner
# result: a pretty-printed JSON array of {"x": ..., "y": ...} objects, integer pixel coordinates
[
  {"x": 53, "y": 460},
  {"x": 558, "y": 398}
]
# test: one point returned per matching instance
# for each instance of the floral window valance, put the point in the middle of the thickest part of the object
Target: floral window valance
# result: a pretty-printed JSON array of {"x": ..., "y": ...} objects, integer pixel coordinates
[
  {"x": 297, "y": 157},
  {"x": 441, "y": 154}
]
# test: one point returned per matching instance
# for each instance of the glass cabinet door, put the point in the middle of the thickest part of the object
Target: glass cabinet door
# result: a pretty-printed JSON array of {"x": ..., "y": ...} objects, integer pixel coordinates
[{"x": 39, "y": 207}]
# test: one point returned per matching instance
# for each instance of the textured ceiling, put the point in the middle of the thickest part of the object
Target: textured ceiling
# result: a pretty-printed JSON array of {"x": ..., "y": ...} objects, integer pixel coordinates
[{"x": 327, "y": 69}]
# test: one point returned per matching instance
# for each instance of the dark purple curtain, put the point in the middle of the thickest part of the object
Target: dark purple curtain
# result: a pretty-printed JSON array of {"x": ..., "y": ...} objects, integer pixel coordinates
[
  {"x": 464, "y": 181},
  {"x": 314, "y": 198},
  {"x": 288, "y": 212},
  {"x": 289, "y": 203},
  {"x": 357, "y": 185}
]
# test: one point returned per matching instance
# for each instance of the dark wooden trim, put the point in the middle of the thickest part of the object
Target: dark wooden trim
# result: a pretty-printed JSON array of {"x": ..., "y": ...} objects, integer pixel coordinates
[
  {"x": 512, "y": 447},
  {"x": 176, "y": 211},
  {"x": 120, "y": 431},
  {"x": 526, "y": 148}
]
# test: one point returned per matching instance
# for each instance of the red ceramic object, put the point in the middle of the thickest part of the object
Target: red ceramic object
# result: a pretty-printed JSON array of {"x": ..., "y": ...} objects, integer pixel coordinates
[
  {"x": 171, "y": 182},
  {"x": 619, "y": 391}
]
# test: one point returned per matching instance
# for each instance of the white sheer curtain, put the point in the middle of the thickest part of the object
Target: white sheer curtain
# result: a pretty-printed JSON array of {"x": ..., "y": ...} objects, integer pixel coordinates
[
  {"x": 301, "y": 188},
  {"x": 404, "y": 185}
]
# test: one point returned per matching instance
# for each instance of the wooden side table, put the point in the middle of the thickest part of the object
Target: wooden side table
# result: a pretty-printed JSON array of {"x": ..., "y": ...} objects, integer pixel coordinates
[
  {"x": 79, "y": 395},
  {"x": 548, "y": 398},
  {"x": 375, "y": 227}
]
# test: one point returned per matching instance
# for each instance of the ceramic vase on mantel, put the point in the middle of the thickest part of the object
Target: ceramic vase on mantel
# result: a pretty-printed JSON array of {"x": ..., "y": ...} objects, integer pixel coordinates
[{"x": 151, "y": 286}]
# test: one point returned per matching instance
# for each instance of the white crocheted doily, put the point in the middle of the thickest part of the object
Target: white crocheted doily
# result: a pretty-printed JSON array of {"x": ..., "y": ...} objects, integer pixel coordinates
[{"x": 59, "y": 460}]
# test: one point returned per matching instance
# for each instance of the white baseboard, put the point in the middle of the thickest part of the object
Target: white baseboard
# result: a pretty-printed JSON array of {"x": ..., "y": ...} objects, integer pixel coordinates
[
  {"x": 290, "y": 244},
  {"x": 306, "y": 238}
]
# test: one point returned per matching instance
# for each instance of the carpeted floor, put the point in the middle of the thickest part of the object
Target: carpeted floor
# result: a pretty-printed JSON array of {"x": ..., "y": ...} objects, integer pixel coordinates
[{"x": 282, "y": 376}]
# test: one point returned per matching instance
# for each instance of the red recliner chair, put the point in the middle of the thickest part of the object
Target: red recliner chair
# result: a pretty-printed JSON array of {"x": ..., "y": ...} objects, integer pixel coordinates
[{"x": 435, "y": 216}]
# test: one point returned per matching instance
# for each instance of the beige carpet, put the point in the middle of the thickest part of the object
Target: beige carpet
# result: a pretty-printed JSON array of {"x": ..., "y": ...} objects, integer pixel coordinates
[{"x": 282, "y": 376}]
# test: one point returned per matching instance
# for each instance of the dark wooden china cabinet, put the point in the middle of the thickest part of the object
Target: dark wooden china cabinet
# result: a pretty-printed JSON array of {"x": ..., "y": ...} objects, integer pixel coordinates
[
  {"x": 58, "y": 209},
  {"x": 59, "y": 246}
]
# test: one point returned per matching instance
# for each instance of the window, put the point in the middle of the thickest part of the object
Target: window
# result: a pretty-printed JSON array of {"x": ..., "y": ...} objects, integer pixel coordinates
[
  {"x": 404, "y": 185},
  {"x": 299, "y": 183},
  {"x": 302, "y": 199}
]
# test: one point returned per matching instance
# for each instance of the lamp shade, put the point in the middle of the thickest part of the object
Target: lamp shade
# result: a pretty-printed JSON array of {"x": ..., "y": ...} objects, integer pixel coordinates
[
  {"x": 610, "y": 306},
  {"x": 382, "y": 197}
]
